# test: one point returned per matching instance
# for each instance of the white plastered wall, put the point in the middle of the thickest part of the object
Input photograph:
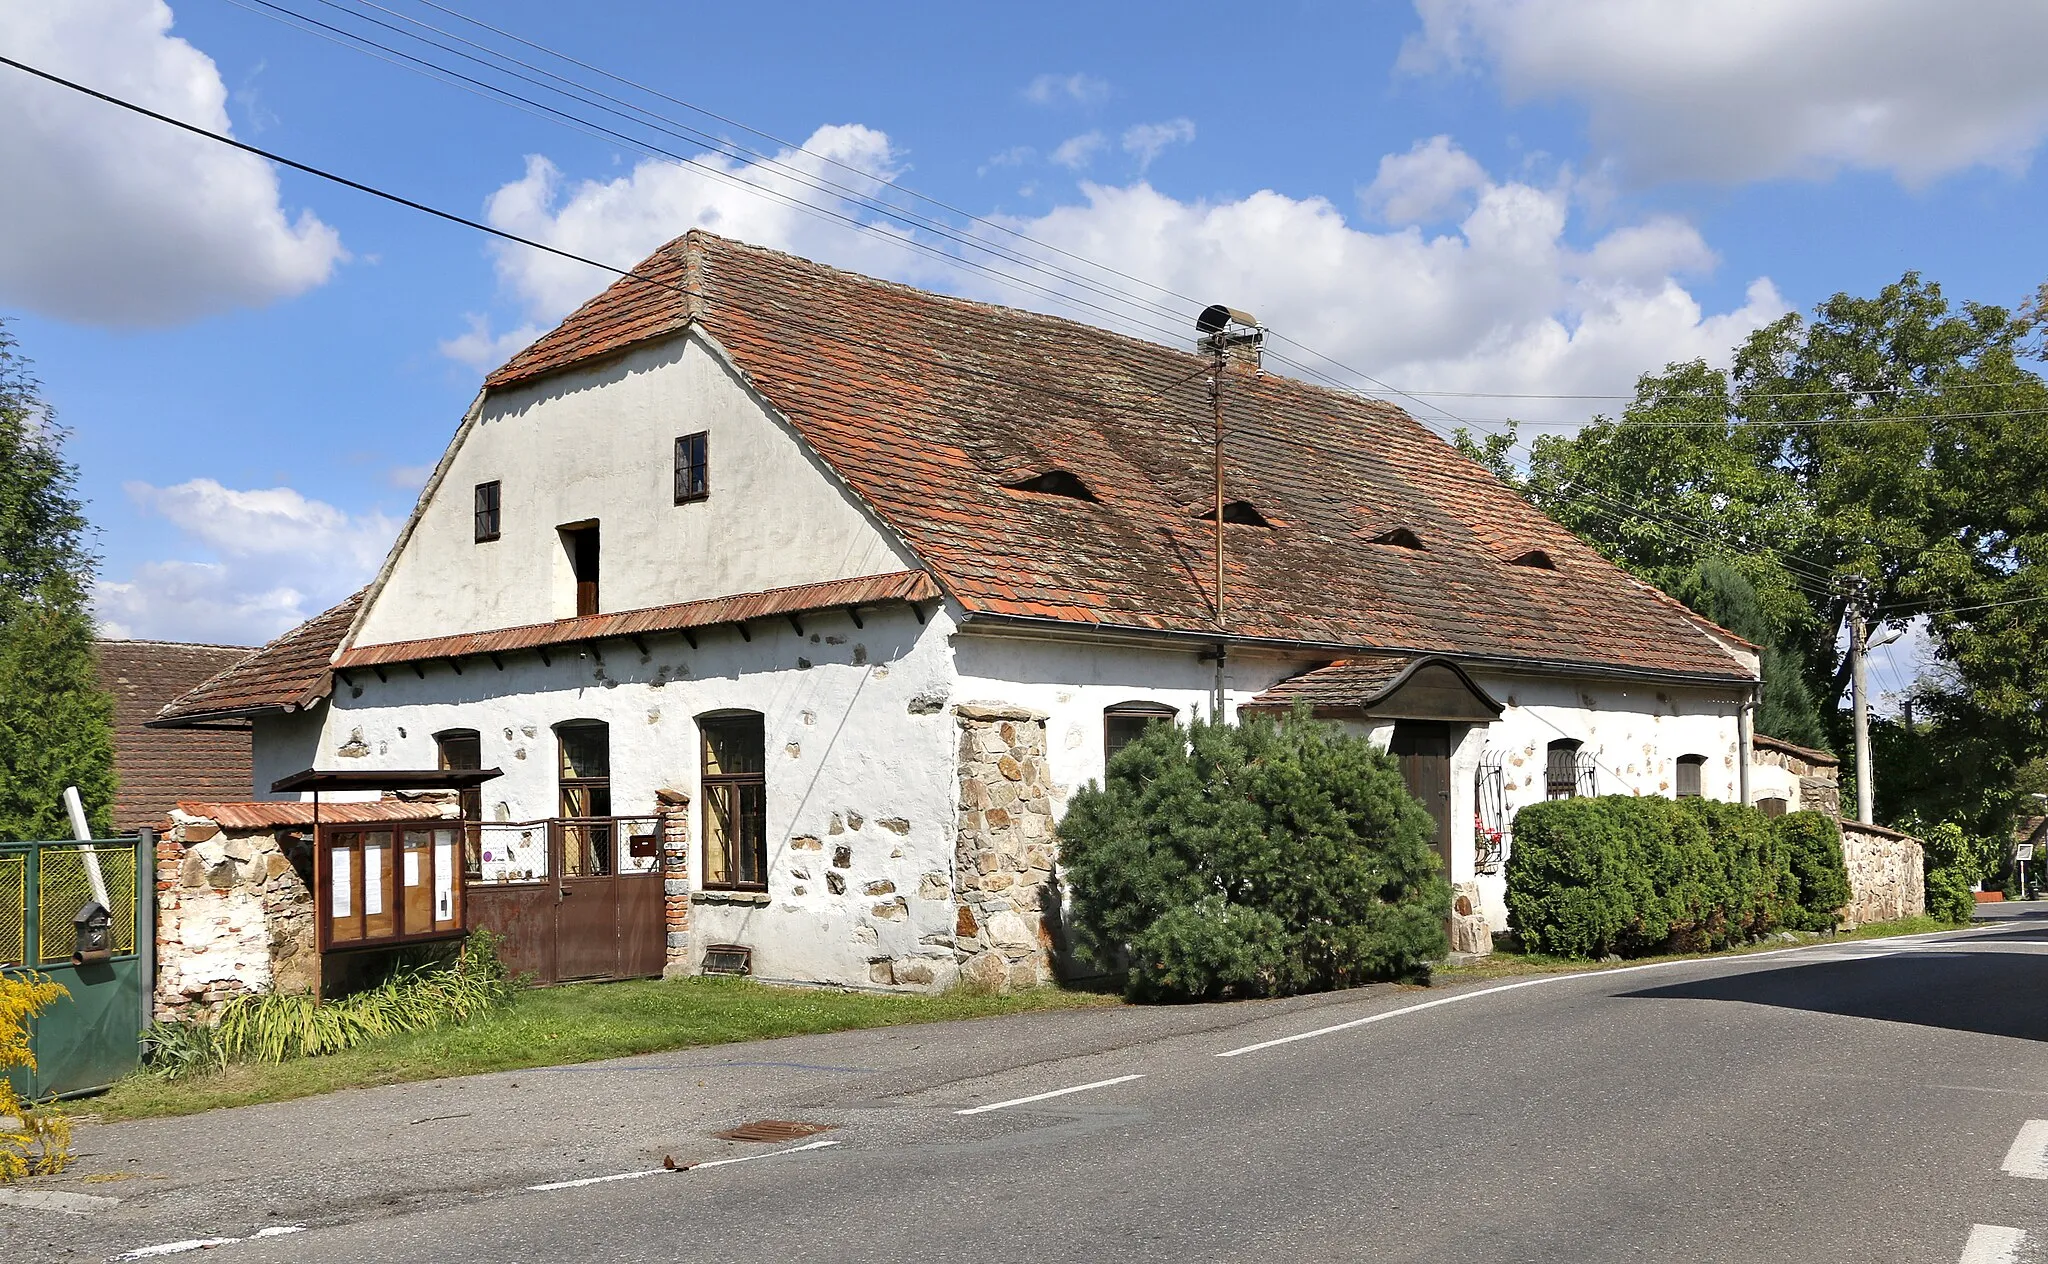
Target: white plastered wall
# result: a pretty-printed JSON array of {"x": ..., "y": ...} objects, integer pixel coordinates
[
  {"x": 599, "y": 444},
  {"x": 843, "y": 739}
]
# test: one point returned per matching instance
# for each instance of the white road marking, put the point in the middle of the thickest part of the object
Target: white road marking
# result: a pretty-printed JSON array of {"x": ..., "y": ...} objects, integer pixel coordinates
[
  {"x": 1565, "y": 978},
  {"x": 2029, "y": 1153},
  {"x": 58, "y": 1200},
  {"x": 663, "y": 1171},
  {"x": 1039, "y": 1097},
  {"x": 204, "y": 1244},
  {"x": 1993, "y": 1244}
]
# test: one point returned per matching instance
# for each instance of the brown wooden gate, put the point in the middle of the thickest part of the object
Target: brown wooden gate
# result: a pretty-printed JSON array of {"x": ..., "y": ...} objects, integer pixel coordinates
[{"x": 575, "y": 899}]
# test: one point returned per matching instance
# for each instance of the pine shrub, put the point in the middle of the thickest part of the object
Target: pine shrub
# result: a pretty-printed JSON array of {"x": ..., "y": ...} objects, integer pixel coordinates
[
  {"x": 1813, "y": 843},
  {"x": 1263, "y": 858}
]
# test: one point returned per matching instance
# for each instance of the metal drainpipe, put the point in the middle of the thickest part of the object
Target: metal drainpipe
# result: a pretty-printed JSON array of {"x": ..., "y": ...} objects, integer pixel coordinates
[{"x": 1745, "y": 740}]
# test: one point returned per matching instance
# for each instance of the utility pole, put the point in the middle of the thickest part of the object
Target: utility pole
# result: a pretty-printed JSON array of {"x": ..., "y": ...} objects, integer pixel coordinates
[
  {"x": 1859, "y": 687},
  {"x": 1222, "y": 329}
]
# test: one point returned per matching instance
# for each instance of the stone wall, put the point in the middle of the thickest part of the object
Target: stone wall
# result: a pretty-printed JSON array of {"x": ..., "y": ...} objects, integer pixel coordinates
[
  {"x": 1885, "y": 876},
  {"x": 1004, "y": 848},
  {"x": 1816, "y": 774},
  {"x": 234, "y": 915},
  {"x": 672, "y": 814}
]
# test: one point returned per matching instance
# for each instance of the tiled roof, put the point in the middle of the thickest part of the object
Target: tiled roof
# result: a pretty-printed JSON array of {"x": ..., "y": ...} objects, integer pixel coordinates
[
  {"x": 154, "y": 768},
  {"x": 296, "y": 812},
  {"x": 289, "y": 672},
  {"x": 1350, "y": 683},
  {"x": 1807, "y": 753},
  {"x": 833, "y": 595},
  {"x": 928, "y": 405}
]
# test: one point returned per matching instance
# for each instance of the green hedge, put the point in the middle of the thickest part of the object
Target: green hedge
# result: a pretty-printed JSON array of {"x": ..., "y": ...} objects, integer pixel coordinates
[{"x": 1632, "y": 876}]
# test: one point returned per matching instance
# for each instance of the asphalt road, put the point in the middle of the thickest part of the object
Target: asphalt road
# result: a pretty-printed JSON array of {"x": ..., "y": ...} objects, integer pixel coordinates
[{"x": 1853, "y": 1102}]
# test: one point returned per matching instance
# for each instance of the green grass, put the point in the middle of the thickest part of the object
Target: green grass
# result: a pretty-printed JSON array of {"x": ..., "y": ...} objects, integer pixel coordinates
[
  {"x": 1503, "y": 964},
  {"x": 576, "y": 1023}
]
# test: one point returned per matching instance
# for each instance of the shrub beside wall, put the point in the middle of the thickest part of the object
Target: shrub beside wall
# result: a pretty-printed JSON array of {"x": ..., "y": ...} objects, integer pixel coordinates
[
  {"x": 1632, "y": 876},
  {"x": 1256, "y": 859}
]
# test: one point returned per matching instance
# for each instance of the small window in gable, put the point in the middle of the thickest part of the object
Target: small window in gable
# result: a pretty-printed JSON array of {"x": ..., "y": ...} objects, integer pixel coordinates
[
  {"x": 1400, "y": 538},
  {"x": 1534, "y": 557},
  {"x": 1690, "y": 768},
  {"x": 1237, "y": 513},
  {"x": 1054, "y": 483},
  {"x": 693, "y": 467},
  {"x": 487, "y": 511}
]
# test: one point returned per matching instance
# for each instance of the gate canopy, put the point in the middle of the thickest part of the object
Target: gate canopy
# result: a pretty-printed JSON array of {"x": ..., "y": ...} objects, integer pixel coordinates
[{"x": 1407, "y": 687}]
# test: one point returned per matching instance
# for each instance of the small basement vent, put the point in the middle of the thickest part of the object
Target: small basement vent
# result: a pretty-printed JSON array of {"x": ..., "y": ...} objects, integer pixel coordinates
[
  {"x": 773, "y": 1130},
  {"x": 1536, "y": 558},
  {"x": 1054, "y": 483},
  {"x": 728, "y": 959},
  {"x": 1399, "y": 537}
]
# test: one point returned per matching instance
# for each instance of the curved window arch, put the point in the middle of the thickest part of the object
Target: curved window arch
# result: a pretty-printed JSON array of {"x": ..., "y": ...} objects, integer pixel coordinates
[
  {"x": 1691, "y": 770},
  {"x": 1125, "y": 723},
  {"x": 584, "y": 782},
  {"x": 735, "y": 793},
  {"x": 1568, "y": 770}
]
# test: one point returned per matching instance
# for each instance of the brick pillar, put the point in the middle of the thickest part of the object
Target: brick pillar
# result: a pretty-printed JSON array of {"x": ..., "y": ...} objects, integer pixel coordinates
[{"x": 672, "y": 811}]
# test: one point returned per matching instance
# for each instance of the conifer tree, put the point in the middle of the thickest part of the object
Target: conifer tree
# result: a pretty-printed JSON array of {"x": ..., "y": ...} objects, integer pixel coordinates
[{"x": 56, "y": 723}]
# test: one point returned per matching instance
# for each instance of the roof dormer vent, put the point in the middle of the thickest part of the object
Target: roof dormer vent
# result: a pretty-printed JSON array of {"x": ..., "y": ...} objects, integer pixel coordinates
[
  {"x": 1400, "y": 538},
  {"x": 1237, "y": 513},
  {"x": 1534, "y": 557},
  {"x": 1054, "y": 483}
]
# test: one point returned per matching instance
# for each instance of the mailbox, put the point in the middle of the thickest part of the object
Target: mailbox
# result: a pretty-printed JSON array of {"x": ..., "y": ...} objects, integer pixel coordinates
[{"x": 93, "y": 931}]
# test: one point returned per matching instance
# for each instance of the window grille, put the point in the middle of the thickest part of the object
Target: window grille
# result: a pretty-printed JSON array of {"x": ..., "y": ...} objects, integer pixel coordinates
[
  {"x": 735, "y": 803},
  {"x": 1490, "y": 820}
]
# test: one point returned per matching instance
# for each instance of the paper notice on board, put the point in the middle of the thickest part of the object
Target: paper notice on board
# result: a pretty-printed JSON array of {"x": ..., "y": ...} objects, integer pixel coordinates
[
  {"x": 412, "y": 868},
  {"x": 338, "y": 888},
  {"x": 444, "y": 881},
  {"x": 373, "y": 881}
]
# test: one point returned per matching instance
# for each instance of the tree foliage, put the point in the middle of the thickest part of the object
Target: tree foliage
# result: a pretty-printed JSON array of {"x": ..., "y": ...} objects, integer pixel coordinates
[
  {"x": 1897, "y": 444},
  {"x": 56, "y": 723},
  {"x": 1257, "y": 859}
]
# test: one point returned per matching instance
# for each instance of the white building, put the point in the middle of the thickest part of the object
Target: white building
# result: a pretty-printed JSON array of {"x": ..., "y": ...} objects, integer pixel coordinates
[{"x": 872, "y": 578}]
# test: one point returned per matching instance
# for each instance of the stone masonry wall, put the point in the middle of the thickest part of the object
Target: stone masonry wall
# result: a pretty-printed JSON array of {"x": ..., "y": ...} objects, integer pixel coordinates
[
  {"x": 1004, "y": 848},
  {"x": 1885, "y": 878},
  {"x": 672, "y": 813},
  {"x": 234, "y": 915},
  {"x": 1820, "y": 787}
]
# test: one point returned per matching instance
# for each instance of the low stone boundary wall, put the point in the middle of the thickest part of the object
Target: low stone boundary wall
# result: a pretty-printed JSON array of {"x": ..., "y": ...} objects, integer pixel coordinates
[{"x": 1885, "y": 874}]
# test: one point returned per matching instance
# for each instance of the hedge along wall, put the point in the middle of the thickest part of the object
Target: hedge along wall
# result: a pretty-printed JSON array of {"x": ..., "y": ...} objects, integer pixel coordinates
[{"x": 1632, "y": 876}]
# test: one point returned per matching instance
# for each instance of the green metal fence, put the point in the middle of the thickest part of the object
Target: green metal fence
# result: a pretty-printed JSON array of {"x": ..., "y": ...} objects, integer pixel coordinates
[{"x": 92, "y": 1037}]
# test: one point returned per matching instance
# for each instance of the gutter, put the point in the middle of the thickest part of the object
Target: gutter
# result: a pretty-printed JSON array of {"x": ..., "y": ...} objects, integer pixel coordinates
[{"x": 1039, "y": 625}]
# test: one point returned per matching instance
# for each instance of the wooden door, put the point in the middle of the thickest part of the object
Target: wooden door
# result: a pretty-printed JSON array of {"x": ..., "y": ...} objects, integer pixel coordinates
[{"x": 1424, "y": 749}]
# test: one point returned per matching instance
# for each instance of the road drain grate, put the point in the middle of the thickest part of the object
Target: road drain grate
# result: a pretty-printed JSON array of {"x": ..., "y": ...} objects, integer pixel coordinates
[{"x": 772, "y": 1130}]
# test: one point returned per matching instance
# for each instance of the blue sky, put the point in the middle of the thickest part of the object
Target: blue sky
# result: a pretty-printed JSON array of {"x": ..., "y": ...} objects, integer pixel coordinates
[{"x": 1545, "y": 197}]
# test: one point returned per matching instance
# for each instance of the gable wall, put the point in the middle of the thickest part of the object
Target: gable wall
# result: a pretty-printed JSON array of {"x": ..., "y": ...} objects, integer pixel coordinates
[{"x": 599, "y": 443}]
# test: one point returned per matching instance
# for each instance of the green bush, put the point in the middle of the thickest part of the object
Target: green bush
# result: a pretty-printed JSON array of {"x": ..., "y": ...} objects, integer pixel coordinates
[
  {"x": 1631, "y": 876},
  {"x": 1813, "y": 843},
  {"x": 1258, "y": 859},
  {"x": 1949, "y": 898}
]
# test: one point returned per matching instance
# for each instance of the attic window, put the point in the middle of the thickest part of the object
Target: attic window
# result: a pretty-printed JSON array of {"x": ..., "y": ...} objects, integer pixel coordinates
[
  {"x": 1534, "y": 557},
  {"x": 1054, "y": 483},
  {"x": 1238, "y": 513},
  {"x": 1399, "y": 537}
]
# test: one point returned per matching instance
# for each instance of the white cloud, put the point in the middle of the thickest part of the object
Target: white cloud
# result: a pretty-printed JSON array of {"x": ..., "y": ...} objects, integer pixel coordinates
[
  {"x": 115, "y": 219},
  {"x": 408, "y": 478},
  {"x": 271, "y": 558},
  {"x": 1075, "y": 89},
  {"x": 1014, "y": 156},
  {"x": 1506, "y": 298},
  {"x": 483, "y": 350},
  {"x": 623, "y": 220},
  {"x": 1429, "y": 182},
  {"x": 1076, "y": 152},
  {"x": 1148, "y": 140},
  {"x": 1735, "y": 90}
]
